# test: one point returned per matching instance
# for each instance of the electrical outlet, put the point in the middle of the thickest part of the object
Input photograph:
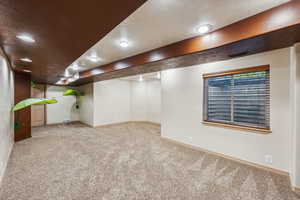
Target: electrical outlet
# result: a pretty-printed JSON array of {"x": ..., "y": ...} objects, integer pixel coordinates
[
  {"x": 268, "y": 159},
  {"x": 190, "y": 139},
  {"x": 66, "y": 121}
]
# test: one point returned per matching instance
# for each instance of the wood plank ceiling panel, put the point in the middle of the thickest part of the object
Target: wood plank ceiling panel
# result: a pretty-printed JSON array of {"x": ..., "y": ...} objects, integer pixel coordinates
[{"x": 63, "y": 30}]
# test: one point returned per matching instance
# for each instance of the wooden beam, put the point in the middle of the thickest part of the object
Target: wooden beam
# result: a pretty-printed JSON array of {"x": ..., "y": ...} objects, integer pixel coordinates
[{"x": 283, "y": 17}]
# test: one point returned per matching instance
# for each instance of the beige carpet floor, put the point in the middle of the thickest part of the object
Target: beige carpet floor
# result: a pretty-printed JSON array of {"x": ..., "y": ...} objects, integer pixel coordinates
[{"x": 128, "y": 161}]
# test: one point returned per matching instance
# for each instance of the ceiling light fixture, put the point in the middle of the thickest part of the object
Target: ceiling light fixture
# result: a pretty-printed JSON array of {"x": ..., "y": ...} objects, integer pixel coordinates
[
  {"x": 27, "y": 71},
  {"x": 158, "y": 75},
  {"x": 72, "y": 79},
  {"x": 67, "y": 73},
  {"x": 26, "y": 38},
  {"x": 97, "y": 71},
  {"x": 94, "y": 57},
  {"x": 62, "y": 81},
  {"x": 59, "y": 82},
  {"x": 75, "y": 66},
  {"x": 120, "y": 65},
  {"x": 203, "y": 29},
  {"x": 26, "y": 59},
  {"x": 156, "y": 57},
  {"x": 141, "y": 78},
  {"x": 124, "y": 44},
  {"x": 76, "y": 76}
]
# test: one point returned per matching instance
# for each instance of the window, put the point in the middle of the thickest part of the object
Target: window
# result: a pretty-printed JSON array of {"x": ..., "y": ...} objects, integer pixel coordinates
[{"x": 240, "y": 97}]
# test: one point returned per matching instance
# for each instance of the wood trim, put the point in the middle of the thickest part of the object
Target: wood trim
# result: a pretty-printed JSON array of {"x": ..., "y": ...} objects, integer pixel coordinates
[
  {"x": 259, "y": 166},
  {"x": 147, "y": 122},
  {"x": 112, "y": 124},
  {"x": 238, "y": 71},
  {"x": 296, "y": 190},
  {"x": 239, "y": 127},
  {"x": 127, "y": 122},
  {"x": 61, "y": 123}
]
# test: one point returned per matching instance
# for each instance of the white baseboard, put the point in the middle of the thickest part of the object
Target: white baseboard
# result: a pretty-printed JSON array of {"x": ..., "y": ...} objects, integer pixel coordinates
[
  {"x": 126, "y": 122},
  {"x": 277, "y": 171},
  {"x": 296, "y": 190},
  {"x": 146, "y": 122},
  {"x": 4, "y": 167}
]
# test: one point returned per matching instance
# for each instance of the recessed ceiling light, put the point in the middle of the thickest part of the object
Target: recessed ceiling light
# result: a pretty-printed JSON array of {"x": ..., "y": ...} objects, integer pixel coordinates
[
  {"x": 124, "y": 43},
  {"x": 158, "y": 75},
  {"x": 97, "y": 71},
  {"x": 204, "y": 28},
  {"x": 62, "y": 81},
  {"x": 120, "y": 65},
  {"x": 76, "y": 76},
  {"x": 94, "y": 57},
  {"x": 156, "y": 57},
  {"x": 72, "y": 79},
  {"x": 26, "y": 59},
  {"x": 26, "y": 38},
  {"x": 141, "y": 78},
  {"x": 27, "y": 71},
  {"x": 75, "y": 66},
  {"x": 67, "y": 73}
]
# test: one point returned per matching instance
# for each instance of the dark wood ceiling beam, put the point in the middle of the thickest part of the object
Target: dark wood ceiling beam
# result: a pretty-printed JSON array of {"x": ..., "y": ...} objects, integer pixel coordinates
[
  {"x": 63, "y": 31},
  {"x": 275, "y": 19}
]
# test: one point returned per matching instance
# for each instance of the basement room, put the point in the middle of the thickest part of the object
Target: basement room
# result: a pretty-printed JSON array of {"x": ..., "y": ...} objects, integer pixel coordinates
[{"x": 150, "y": 100}]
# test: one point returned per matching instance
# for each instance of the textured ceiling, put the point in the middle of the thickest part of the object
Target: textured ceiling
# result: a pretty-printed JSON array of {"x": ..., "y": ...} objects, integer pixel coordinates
[{"x": 160, "y": 22}]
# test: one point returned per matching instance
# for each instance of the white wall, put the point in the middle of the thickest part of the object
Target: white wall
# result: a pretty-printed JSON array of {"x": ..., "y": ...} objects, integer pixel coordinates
[
  {"x": 295, "y": 114},
  {"x": 182, "y": 100},
  {"x": 139, "y": 101},
  {"x": 116, "y": 101},
  {"x": 6, "y": 119},
  {"x": 111, "y": 102},
  {"x": 146, "y": 101},
  {"x": 297, "y": 135},
  {"x": 64, "y": 110},
  {"x": 86, "y": 110}
]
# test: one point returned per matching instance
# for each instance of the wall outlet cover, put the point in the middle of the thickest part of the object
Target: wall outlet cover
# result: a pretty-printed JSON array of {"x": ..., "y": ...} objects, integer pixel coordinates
[{"x": 268, "y": 159}]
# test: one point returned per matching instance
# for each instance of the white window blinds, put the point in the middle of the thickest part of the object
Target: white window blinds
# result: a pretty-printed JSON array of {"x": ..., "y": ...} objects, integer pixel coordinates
[{"x": 238, "y": 98}]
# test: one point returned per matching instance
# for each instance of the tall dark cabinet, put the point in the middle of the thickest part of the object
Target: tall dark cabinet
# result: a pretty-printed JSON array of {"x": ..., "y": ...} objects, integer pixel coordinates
[{"x": 22, "y": 117}]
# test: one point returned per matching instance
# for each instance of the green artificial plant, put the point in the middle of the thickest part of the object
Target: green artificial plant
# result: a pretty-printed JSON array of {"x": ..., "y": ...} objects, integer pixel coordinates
[
  {"x": 72, "y": 92},
  {"x": 33, "y": 101},
  {"x": 29, "y": 102}
]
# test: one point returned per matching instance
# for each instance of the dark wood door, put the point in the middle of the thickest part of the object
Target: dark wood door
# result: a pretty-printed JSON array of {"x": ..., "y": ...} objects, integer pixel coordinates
[{"x": 22, "y": 117}]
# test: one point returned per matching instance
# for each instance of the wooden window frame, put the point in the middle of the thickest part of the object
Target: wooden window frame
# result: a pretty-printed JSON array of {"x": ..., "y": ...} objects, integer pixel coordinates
[{"x": 228, "y": 124}]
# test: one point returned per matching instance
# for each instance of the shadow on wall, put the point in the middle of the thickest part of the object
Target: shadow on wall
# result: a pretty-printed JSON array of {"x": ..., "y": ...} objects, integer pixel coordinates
[
  {"x": 74, "y": 112},
  {"x": 65, "y": 110}
]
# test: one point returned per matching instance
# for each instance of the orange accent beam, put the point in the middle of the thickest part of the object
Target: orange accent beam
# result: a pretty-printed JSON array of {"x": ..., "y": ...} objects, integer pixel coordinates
[{"x": 277, "y": 18}]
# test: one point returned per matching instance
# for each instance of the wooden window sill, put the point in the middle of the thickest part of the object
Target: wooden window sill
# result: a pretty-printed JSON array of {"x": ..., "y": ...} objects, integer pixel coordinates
[{"x": 246, "y": 128}]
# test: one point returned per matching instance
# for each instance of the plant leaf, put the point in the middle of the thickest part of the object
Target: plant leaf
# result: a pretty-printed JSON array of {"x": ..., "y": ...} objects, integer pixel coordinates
[
  {"x": 71, "y": 92},
  {"x": 33, "y": 101}
]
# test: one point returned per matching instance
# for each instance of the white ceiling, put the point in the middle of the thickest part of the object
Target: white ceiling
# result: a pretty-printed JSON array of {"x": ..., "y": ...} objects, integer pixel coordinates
[{"x": 161, "y": 22}]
